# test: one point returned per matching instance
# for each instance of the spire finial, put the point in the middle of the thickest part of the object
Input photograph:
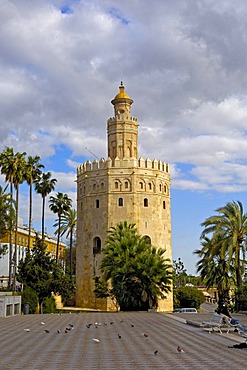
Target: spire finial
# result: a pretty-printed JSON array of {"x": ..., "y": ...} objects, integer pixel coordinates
[{"x": 121, "y": 83}]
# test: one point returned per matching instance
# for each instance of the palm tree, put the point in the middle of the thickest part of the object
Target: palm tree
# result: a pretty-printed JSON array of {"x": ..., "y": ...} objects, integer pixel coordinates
[
  {"x": 32, "y": 172},
  {"x": 229, "y": 229},
  {"x": 7, "y": 211},
  {"x": 216, "y": 269},
  {"x": 7, "y": 164},
  {"x": 18, "y": 179},
  {"x": 139, "y": 274},
  {"x": 59, "y": 204},
  {"x": 44, "y": 185},
  {"x": 12, "y": 167},
  {"x": 68, "y": 225}
]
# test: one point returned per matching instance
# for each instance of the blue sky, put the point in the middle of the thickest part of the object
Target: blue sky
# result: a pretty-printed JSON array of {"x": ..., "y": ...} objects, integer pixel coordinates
[{"x": 183, "y": 63}]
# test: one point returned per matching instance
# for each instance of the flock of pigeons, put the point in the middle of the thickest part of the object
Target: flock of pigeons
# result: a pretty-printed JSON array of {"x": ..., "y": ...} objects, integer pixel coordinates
[{"x": 96, "y": 325}]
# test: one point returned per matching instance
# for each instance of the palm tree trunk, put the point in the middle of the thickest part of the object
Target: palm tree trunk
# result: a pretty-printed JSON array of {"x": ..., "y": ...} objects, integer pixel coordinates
[
  {"x": 10, "y": 238},
  {"x": 30, "y": 216},
  {"x": 43, "y": 218},
  {"x": 58, "y": 237},
  {"x": 70, "y": 252},
  {"x": 16, "y": 234},
  {"x": 238, "y": 271}
]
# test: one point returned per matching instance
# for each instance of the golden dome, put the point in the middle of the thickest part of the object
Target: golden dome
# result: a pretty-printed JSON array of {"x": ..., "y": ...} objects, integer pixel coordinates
[{"x": 122, "y": 94}]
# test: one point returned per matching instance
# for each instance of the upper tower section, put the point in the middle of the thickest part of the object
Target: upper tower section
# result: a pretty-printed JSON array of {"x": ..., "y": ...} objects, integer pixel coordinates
[{"x": 122, "y": 129}]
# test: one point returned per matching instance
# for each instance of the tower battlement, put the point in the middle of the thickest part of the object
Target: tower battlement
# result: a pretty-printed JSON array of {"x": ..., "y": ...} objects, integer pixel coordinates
[
  {"x": 119, "y": 116},
  {"x": 123, "y": 163}
]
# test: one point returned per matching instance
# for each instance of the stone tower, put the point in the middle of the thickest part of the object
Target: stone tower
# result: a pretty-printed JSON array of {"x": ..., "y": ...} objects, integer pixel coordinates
[{"x": 123, "y": 187}]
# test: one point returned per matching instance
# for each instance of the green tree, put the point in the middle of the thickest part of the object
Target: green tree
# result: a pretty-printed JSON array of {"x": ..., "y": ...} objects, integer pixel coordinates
[
  {"x": 30, "y": 298},
  {"x": 8, "y": 168},
  {"x": 42, "y": 274},
  {"x": 188, "y": 296},
  {"x": 179, "y": 272},
  {"x": 44, "y": 185},
  {"x": 229, "y": 230},
  {"x": 68, "y": 226},
  {"x": 59, "y": 204},
  {"x": 217, "y": 270},
  {"x": 18, "y": 179},
  {"x": 32, "y": 173},
  {"x": 137, "y": 273},
  {"x": 7, "y": 211}
]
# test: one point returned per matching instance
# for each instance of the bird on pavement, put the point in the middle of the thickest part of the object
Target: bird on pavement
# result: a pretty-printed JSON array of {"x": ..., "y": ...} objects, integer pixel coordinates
[
  {"x": 180, "y": 350},
  {"x": 47, "y": 331},
  {"x": 119, "y": 336},
  {"x": 145, "y": 335},
  {"x": 96, "y": 340},
  {"x": 156, "y": 352}
]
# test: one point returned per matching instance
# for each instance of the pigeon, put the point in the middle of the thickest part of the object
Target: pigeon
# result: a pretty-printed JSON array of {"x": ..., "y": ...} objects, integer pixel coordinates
[
  {"x": 119, "y": 336},
  {"x": 145, "y": 335},
  {"x": 27, "y": 330},
  {"x": 180, "y": 350},
  {"x": 71, "y": 325},
  {"x": 96, "y": 340},
  {"x": 42, "y": 323},
  {"x": 111, "y": 322},
  {"x": 156, "y": 352},
  {"x": 88, "y": 326},
  {"x": 58, "y": 331},
  {"x": 132, "y": 325},
  {"x": 47, "y": 331}
]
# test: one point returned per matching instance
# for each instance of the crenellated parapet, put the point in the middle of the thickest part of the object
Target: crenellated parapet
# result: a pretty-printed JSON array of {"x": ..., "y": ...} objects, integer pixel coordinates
[
  {"x": 121, "y": 116},
  {"x": 122, "y": 163}
]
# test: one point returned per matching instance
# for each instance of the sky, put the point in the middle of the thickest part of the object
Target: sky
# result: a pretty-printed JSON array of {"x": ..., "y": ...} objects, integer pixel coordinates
[{"x": 183, "y": 62}]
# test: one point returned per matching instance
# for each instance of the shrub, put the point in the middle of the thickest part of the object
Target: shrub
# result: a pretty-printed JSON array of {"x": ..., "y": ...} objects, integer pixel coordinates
[
  {"x": 189, "y": 297},
  {"x": 49, "y": 305},
  {"x": 241, "y": 299},
  {"x": 29, "y": 297}
]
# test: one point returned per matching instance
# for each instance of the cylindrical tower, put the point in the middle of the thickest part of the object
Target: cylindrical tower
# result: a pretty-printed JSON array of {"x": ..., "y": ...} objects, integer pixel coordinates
[{"x": 121, "y": 188}]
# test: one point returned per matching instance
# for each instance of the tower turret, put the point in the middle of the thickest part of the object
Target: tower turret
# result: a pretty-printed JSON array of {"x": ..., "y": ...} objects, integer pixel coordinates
[{"x": 122, "y": 128}]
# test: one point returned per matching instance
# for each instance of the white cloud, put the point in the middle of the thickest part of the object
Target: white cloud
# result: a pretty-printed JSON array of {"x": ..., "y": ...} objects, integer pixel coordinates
[{"x": 182, "y": 62}]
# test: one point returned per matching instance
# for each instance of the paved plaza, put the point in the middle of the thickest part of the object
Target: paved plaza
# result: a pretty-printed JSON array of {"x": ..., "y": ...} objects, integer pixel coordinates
[{"x": 115, "y": 341}]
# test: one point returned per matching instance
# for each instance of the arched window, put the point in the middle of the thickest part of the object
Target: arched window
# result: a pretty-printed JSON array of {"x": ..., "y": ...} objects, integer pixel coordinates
[
  {"x": 94, "y": 187},
  {"x": 116, "y": 185},
  {"x": 141, "y": 185},
  {"x": 102, "y": 186},
  {"x": 160, "y": 187},
  {"x": 149, "y": 185},
  {"x": 147, "y": 239},
  {"x": 126, "y": 184},
  {"x": 96, "y": 245},
  {"x": 120, "y": 202},
  {"x": 145, "y": 202},
  {"x": 164, "y": 204},
  {"x": 165, "y": 188},
  {"x": 97, "y": 203}
]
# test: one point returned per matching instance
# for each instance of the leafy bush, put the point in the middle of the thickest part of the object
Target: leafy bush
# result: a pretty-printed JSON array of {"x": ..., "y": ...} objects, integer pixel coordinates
[
  {"x": 189, "y": 297},
  {"x": 49, "y": 305},
  {"x": 30, "y": 297},
  {"x": 241, "y": 299}
]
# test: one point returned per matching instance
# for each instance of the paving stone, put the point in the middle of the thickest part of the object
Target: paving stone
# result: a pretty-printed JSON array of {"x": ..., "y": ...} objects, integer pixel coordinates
[{"x": 76, "y": 349}]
